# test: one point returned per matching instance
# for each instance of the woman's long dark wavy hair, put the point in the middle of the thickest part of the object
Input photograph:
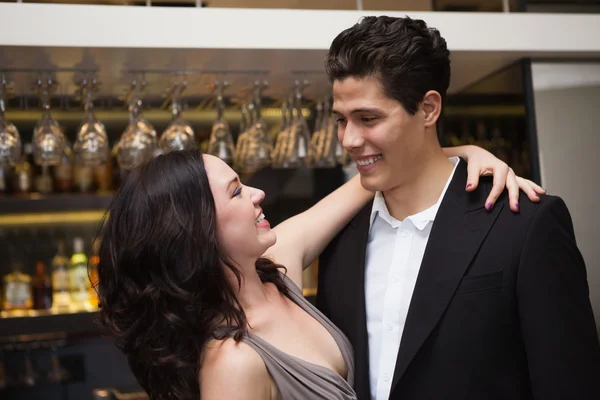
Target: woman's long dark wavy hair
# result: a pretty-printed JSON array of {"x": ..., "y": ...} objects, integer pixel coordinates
[{"x": 162, "y": 284}]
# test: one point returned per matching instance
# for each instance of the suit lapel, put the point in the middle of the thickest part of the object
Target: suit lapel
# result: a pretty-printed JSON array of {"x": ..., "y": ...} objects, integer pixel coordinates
[
  {"x": 460, "y": 226},
  {"x": 353, "y": 272}
]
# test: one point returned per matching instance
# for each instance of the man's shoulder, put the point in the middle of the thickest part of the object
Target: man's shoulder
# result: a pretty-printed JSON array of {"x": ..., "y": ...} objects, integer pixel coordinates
[
  {"x": 549, "y": 207},
  {"x": 355, "y": 229},
  {"x": 527, "y": 207},
  {"x": 359, "y": 223}
]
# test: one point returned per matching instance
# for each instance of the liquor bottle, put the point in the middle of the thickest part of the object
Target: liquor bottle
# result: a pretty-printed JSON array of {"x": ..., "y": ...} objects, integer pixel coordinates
[
  {"x": 63, "y": 173},
  {"x": 43, "y": 179},
  {"x": 42, "y": 288},
  {"x": 103, "y": 176},
  {"x": 84, "y": 177},
  {"x": 23, "y": 177},
  {"x": 78, "y": 276},
  {"x": 94, "y": 261},
  {"x": 118, "y": 174},
  {"x": 61, "y": 296},
  {"x": 6, "y": 179},
  {"x": 17, "y": 290}
]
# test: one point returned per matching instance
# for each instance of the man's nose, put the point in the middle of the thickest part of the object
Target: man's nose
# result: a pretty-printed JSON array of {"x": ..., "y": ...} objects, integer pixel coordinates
[{"x": 352, "y": 137}]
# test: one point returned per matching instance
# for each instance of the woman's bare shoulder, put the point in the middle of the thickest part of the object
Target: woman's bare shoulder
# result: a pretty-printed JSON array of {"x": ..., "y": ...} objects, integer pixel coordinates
[{"x": 233, "y": 370}]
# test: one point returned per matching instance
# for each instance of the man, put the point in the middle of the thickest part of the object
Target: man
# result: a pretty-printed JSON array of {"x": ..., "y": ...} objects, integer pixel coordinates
[{"x": 441, "y": 297}]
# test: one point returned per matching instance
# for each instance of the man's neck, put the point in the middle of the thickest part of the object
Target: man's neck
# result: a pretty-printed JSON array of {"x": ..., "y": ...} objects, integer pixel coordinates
[{"x": 421, "y": 190}]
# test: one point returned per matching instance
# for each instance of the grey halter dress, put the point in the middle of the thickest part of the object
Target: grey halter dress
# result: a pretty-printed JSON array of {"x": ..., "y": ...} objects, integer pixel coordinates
[{"x": 297, "y": 379}]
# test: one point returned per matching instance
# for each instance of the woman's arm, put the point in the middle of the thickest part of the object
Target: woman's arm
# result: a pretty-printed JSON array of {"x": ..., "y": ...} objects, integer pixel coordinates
[{"x": 301, "y": 238}]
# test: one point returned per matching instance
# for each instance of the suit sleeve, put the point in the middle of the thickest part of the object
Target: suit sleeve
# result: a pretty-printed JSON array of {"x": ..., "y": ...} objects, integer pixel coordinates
[{"x": 556, "y": 316}]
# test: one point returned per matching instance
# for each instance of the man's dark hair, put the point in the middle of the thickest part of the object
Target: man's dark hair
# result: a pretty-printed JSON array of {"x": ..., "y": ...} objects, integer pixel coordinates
[{"x": 406, "y": 56}]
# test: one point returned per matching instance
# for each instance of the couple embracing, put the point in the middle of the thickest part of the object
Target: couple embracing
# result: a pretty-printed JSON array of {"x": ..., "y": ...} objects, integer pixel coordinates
[{"x": 434, "y": 283}]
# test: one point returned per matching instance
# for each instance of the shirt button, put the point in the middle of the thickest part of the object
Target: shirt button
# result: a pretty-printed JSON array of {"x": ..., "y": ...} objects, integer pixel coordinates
[
  {"x": 390, "y": 327},
  {"x": 396, "y": 279},
  {"x": 386, "y": 377},
  {"x": 404, "y": 233}
]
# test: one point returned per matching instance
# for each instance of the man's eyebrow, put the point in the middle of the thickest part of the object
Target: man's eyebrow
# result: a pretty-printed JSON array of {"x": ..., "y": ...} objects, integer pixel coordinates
[{"x": 359, "y": 110}]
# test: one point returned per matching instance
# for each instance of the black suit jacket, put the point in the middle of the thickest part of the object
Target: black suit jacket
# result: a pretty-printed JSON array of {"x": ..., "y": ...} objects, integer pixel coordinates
[{"x": 500, "y": 309}]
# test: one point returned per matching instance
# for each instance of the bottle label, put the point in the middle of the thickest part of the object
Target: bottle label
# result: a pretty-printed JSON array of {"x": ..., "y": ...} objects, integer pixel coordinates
[
  {"x": 18, "y": 294},
  {"x": 60, "y": 280},
  {"x": 80, "y": 283}
]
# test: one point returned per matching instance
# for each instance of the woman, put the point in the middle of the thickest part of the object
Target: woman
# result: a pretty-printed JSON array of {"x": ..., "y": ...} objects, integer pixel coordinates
[{"x": 191, "y": 298}]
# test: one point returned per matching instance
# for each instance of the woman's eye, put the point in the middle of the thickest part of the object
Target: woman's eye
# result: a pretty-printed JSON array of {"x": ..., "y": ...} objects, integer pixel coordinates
[{"x": 237, "y": 191}]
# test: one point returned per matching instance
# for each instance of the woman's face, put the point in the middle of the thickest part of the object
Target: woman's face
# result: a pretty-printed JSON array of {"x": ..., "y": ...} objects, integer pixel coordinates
[{"x": 243, "y": 233}]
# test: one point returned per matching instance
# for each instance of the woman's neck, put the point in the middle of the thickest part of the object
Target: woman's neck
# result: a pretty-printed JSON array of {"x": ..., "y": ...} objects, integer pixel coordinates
[{"x": 250, "y": 290}]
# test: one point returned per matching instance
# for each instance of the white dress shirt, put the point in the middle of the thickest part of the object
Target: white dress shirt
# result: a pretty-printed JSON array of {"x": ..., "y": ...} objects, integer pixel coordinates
[{"x": 394, "y": 254}]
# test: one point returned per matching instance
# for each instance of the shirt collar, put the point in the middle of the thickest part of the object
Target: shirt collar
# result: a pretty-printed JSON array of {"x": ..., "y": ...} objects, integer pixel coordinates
[{"x": 419, "y": 220}]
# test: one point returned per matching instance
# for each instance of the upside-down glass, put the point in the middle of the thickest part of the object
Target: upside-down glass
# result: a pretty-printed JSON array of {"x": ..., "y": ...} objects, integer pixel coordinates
[
  {"x": 221, "y": 142},
  {"x": 91, "y": 144},
  {"x": 241, "y": 147},
  {"x": 258, "y": 154},
  {"x": 11, "y": 147},
  {"x": 317, "y": 137},
  {"x": 49, "y": 140},
  {"x": 138, "y": 143},
  {"x": 282, "y": 137},
  {"x": 179, "y": 135},
  {"x": 298, "y": 150},
  {"x": 325, "y": 145}
]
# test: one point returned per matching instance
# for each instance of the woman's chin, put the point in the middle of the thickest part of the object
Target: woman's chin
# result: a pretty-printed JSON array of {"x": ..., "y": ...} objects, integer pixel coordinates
[{"x": 268, "y": 239}]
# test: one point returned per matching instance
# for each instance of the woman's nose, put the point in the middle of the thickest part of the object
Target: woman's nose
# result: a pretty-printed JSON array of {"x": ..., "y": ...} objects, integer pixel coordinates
[{"x": 257, "y": 196}]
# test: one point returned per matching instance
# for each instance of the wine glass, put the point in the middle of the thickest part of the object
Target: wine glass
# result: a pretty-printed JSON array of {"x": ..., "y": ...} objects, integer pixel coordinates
[
  {"x": 57, "y": 372},
  {"x": 91, "y": 145},
  {"x": 11, "y": 146},
  {"x": 259, "y": 146},
  {"x": 221, "y": 142},
  {"x": 298, "y": 151},
  {"x": 179, "y": 135},
  {"x": 29, "y": 376},
  {"x": 241, "y": 147},
  {"x": 317, "y": 136},
  {"x": 326, "y": 143},
  {"x": 137, "y": 144},
  {"x": 48, "y": 138},
  {"x": 282, "y": 136}
]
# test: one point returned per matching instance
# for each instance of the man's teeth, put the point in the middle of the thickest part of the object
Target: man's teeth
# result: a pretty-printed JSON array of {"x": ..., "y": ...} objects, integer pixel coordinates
[
  {"x": 368, "y": 161},
  {"x": 260, "y": 218}
]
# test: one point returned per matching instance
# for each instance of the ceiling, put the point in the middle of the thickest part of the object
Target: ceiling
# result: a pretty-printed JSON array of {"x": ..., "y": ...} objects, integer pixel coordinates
[
  {"x": 114, "y": 69},
  {"x": 374, "y": 5}
]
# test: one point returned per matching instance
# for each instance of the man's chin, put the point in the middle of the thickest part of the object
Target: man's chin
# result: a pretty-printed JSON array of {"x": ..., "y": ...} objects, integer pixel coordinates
[{"x": 371, "y": 183}]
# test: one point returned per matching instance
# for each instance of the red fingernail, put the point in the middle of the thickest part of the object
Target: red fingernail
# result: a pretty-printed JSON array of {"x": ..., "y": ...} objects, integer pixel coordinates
[
  {"x": 469, "y": 185},
  {"x": 489, "y": 206},
  {"x": 517, "y": 206}
]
